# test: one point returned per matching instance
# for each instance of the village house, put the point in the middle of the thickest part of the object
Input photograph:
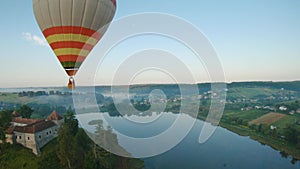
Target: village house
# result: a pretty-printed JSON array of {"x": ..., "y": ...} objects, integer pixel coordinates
[
  {"x": 283, "y": 108},
  {"x": 33, "y": 133},
  {"x": 292, "y": 112},
  {"x": 272, "y": 127}
]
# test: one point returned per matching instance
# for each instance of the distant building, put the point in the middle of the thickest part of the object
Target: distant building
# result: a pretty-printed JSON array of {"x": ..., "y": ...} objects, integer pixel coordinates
[
  {"x": 33, "y": 133},
  {"x": 269, "y": 108},
  {"x": 283, "y": 108},
  {"x": 292, "y": 112},
  {"x": 246, "y": 108},
  {"x": 258, "y": 107},
  {"x": 273, "y": 127}
]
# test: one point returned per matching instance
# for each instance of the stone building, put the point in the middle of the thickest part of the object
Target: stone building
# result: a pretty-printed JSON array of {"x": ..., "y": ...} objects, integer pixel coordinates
[{"x": 34, "y": 133}]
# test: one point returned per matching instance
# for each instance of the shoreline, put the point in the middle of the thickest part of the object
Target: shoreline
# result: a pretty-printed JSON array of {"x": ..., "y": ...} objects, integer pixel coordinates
[{"x": 279, "y": 145}]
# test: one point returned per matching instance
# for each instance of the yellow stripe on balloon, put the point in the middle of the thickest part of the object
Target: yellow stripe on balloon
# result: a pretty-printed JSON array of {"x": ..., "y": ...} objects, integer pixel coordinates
[
  {"x": 72, "y": 37},
  {"x": 71, "y": 51}
]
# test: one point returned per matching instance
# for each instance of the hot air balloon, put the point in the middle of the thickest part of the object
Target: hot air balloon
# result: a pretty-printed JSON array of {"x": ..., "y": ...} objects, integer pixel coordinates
[{"x": 71, "y": 27}]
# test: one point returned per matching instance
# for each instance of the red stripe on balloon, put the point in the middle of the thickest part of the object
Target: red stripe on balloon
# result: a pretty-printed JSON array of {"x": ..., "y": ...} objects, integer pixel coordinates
[
  {"x": 71, "y": 30},
  {"x": 71, "y": 58},
  {"x": 71, "y": 44},
  {"x": 114, "y": 2}
]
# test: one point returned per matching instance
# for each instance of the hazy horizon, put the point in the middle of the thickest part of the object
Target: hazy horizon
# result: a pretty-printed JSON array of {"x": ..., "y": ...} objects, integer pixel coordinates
[{"x": 141, "y": 84}]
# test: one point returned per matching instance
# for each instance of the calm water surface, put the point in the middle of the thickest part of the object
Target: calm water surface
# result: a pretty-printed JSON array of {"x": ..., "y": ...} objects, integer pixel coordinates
[{"x": 224, "y": 149}]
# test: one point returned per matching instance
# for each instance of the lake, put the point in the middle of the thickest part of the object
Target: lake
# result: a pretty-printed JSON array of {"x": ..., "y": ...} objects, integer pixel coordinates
[{"x": 224, "y": 149}]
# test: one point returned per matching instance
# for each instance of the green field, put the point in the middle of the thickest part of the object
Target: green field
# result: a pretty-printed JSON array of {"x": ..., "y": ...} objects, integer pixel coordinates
[
  {"x": 14, "y": 98},
  {"x": 251, "y": 92},
  {"x": 288, "y": 120},
  {"x": 245, "y": 115}
]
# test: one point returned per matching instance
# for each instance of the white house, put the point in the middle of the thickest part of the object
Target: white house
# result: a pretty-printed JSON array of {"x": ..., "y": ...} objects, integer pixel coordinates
[{"x": 283, "y": 108}]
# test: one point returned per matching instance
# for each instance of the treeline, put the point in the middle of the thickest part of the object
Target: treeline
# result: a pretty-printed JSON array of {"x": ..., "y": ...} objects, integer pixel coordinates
[
  {"x": 44, "y": 110},
  {"x": 170, "y": 90},
  {"x": 295, "y": 85},
  {"x": 38, "y": 110},
  {"x": 291, "y": 133},
  {"x": 43, "y": 93}
]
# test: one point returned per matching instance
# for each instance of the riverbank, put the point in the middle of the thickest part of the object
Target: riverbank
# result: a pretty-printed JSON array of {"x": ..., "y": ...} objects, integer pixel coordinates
[{"x": 280, "y": 145}]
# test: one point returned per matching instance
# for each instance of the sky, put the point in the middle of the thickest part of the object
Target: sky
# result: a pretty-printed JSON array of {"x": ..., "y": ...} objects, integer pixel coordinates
[{"x": 256, "y": 40}]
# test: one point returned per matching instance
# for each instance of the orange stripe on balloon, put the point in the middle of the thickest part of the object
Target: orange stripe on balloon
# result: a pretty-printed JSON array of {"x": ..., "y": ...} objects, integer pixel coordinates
[
  {"x": 71, "y": 58},
  {"x": 71, "y": 72},
  {"x": 71, "y": 30},
  {"x": 71, "y": 44}
]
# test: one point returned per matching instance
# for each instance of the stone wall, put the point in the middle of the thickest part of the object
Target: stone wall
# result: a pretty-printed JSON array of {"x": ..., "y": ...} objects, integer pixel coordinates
[
  {"x": 45, "y": 136},
  {"x": 20, "y": 138},
  {"x": 34, "y": 141},
  {"x": 10, "y": 138},
  {"x": 37, "y": 140}
]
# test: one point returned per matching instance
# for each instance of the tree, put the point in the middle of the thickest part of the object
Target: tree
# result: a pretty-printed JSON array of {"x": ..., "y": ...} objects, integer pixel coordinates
[
  {"x": 2, "y": 135},
  {"x": 259, "y": 128},
  {"x": 253, "y": 127},
  {"x": 5, "y": 119},
  {"x": 274, "y": 132},
  {"x": 70, "y": 151},
  {"x": 291, "y": 134},
  {"x": 239, "y": 121},
  {"x": 265, "y": 129},
  {"x": 284, "y": 154},
  {"x": 61, "y": 109},
  {"x": 49, "y": 160},
  {"x": 42, "y": 110},
  {"x": 91, "y": 162},
  {"x": 25, "y": 111},
  {"x": 71, "y": 122}
]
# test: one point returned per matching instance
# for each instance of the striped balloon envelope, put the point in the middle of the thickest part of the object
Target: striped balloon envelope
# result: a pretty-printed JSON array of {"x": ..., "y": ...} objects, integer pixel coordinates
[{"x": 72, "y": 28}]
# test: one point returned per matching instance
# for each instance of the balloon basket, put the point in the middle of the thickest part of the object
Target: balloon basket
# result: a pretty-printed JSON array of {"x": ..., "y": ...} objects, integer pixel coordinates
[{"x": 71, "y": 84}]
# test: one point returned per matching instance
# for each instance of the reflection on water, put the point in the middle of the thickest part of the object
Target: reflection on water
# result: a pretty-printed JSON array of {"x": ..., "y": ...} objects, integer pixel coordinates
[
  {"x": 105, "y": 137},
  {"x": 142, "y": 139},
  {"x": 223, "y": 150}
]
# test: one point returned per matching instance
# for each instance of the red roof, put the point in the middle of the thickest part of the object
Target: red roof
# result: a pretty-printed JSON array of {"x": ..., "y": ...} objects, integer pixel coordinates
[
  {"x": 54, "y": 116},
  {"x": 34, "y": 125},
  {"x": 26, "y": 121},
  {"x": 34, "y": 128}
]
